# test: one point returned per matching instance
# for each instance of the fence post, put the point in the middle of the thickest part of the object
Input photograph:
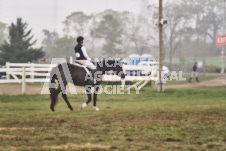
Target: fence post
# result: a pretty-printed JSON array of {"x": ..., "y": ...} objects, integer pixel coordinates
[
  {"x": 123, "y": 83},
  {"x": 23, "y": 80},
  {"x": 7, "y": 74},
  {"x": 32, "y": 76},
  {"x": 204, "y": 67}
]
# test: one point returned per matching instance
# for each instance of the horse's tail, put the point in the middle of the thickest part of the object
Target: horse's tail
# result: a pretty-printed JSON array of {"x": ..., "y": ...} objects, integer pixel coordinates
[{"x": 52, "y": 88}]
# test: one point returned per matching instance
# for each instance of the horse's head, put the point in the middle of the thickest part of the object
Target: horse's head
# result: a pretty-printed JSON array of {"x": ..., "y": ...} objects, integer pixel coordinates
[
  {"x": 118, "y": 69},
  {"x": 114, "y": 65}
]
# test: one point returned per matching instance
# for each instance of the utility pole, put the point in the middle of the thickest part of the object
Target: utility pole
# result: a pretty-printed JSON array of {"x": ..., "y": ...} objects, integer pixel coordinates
[
  {"x": 223, "y": 48},
  {"x": 160, "y": 43}
]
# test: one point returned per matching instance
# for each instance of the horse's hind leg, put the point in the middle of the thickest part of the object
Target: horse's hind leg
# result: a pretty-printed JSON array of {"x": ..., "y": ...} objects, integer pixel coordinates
[{"x": 54, "y": 94}]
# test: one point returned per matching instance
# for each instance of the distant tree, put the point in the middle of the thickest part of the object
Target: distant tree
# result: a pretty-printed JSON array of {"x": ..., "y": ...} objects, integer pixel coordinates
[
  {"x": 48, "y": 41},
  {"x": 2, "y": 32},
  {"x": 137, "y": 32},
  {"x": 207, "y": 16},
  {"x": 93, "y": 32},
  {"x": 77, "y": 24},
  {"x": 19, "y": 48},
  {"x": 110, "y": 29},
  {"x": 173, "y": 32},
  {"x": 128, "y": 20},
  {"x": 141, "y": 34},
  {"x": 80, "y": 24},
  {"x": 63, "y": 47}
]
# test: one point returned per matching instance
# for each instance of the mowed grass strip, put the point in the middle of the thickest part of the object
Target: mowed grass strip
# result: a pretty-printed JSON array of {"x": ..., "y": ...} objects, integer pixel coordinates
[
  {"x": 179, "y": 119},
  {"x": 186, "y": 78}
]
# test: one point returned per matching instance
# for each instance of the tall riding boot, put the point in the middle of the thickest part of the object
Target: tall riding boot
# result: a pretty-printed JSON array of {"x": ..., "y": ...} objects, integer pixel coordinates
[
  {"x": 189, "y": 81},
  {"x": 92, "y": 81},
  {"x": 197, "y": 80},
  {"x": 93, "y": 75}
]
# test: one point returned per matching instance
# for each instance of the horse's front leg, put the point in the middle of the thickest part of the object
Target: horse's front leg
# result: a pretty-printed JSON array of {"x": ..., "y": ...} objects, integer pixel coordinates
[
  {"x": 96, "y": 88},
  {"x": 88, "y": 92},
  {"x": 64, "y": 96}
]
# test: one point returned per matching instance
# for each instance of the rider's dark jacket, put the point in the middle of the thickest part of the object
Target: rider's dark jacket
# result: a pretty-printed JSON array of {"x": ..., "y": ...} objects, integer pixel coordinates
[{"x": 78, "y": 49}]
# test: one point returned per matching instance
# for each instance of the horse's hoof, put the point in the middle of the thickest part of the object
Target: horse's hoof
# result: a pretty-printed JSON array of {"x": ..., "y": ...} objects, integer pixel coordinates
[
  {"x": 71, "y": 108},
  {"x": 84, "y": 105},
  {"x": 80, "y": 108},
  {"x": 52, "y": 109},
  {"x": 96, "y": 108}
]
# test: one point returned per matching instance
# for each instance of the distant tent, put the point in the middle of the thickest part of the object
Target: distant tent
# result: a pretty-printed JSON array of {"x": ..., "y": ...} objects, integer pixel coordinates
[
  {"x": 147, "y": 57},
  {"x": 134, "y": 56},
  {"x": 135, "y": 59}
]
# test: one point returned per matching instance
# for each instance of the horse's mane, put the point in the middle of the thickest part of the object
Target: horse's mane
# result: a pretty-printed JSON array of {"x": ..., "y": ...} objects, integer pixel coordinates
[{"x": 106, "y": 62}]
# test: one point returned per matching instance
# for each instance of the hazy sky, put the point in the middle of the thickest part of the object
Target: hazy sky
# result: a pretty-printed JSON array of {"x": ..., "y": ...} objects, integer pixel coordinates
[{"x": 49, "y": 14}]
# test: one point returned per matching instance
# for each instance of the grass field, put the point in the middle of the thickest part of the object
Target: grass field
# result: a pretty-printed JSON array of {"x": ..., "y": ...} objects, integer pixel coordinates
[
  {"x": 179, "y": 119},
  {"x": 201, "y": 78},
  {"x": 216, "y": 61}
]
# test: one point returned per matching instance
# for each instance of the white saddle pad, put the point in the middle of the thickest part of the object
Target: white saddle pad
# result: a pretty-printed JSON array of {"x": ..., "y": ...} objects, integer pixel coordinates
[{"x": 79, "y": 65}]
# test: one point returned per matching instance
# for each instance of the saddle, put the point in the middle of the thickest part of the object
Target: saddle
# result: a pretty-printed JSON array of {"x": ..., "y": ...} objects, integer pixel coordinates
[{"x": 89, "y": 71}]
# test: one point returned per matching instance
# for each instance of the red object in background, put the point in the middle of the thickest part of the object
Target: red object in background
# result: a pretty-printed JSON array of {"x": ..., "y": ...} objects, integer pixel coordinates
[{"x": 221, "y": 40}]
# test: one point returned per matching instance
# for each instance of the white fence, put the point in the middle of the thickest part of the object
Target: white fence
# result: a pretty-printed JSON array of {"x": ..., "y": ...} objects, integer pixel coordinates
[{"x": 41, "y": 73}]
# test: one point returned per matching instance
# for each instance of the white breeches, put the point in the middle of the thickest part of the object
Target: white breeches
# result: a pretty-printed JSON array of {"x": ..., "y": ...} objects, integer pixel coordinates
[
  {"x": 87, "y": 64},
  {"x": 194, "y": 74}
]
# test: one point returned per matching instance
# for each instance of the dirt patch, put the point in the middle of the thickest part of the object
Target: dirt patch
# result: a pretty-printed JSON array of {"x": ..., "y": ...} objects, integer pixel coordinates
[
  {"x": 214, "y": 105},
  {"x": 15, "y": 128},
  {"x": 16, "y": 89},
  {"x": 77, "y": 146},
  {"x": 217, "y": 82}
]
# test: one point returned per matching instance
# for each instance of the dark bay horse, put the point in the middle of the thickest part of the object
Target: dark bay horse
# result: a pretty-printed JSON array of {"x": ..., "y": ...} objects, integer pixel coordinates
[{"x": 77, "y": 75}]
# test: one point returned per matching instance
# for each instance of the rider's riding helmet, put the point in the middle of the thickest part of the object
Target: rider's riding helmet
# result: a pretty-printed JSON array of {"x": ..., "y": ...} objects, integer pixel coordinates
[{"x": 79, "y": 39}]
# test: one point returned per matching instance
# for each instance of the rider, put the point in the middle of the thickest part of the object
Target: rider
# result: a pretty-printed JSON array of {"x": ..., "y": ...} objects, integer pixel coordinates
[{"x": 83, "y": 58}]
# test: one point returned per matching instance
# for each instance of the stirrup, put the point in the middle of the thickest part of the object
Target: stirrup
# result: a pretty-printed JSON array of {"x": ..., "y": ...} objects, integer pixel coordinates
[
  {"x": 92, "y": 74},
  {"x": 91, "y": 82}
]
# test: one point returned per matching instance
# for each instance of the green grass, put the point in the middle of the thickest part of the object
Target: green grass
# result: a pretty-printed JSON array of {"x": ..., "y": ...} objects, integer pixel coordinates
[
  {"x": 179, "y": 119},
  {"x": 216, "y": 61},
  {"x": 201, "y": 78}
]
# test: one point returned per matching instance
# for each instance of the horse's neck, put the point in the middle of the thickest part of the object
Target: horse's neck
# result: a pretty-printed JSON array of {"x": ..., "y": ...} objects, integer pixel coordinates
[
  {"x": 103, "y": 66},
  {"x": 103, "y": 69}
]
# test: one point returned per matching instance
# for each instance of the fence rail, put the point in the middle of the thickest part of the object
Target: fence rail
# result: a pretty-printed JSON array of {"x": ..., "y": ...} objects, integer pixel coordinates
[{"x": 40, "y": 73}]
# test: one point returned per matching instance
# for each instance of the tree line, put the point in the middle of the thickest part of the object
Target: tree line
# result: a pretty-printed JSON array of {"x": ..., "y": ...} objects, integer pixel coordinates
[{"x": 190, "y": 32}]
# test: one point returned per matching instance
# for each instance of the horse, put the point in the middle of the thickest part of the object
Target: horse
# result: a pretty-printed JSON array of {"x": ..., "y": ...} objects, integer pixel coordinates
[{"x": 78, "y": 76}]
